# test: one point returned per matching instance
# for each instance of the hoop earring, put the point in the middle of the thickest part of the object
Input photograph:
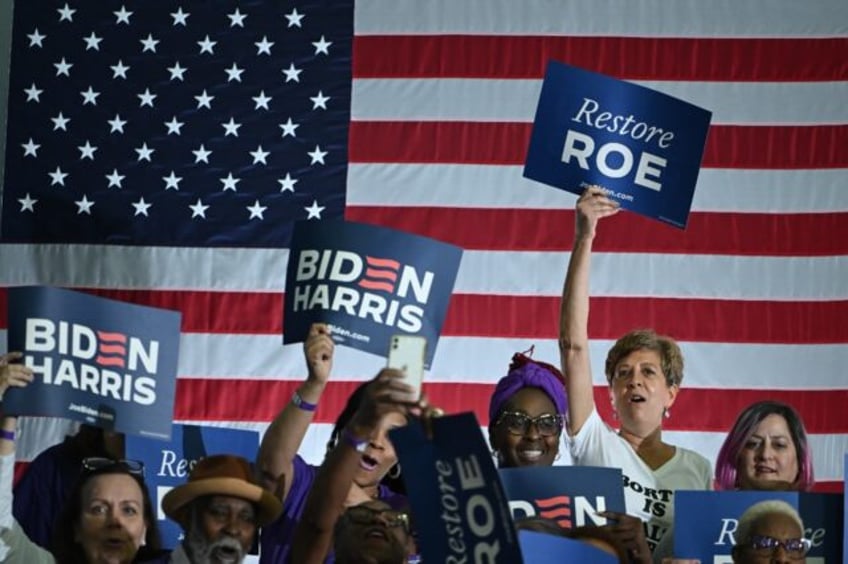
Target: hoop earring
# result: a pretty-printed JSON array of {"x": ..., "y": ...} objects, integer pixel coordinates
[{"x": 394, "y": 472}]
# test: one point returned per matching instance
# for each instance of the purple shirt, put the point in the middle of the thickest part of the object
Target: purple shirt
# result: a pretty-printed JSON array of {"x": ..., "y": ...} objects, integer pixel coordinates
[{"x": 276, "y": 538}]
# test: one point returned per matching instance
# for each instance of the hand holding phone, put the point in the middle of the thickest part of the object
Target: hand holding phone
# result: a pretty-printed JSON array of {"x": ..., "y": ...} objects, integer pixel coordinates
[{"x": 406, "y": 353}]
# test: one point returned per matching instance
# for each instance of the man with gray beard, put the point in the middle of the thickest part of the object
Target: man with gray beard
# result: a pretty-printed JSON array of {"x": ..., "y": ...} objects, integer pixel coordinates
[{"x": 220, "y": 509}]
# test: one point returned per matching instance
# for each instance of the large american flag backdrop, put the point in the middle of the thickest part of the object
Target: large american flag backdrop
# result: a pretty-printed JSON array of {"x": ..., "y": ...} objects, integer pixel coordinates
[{"x": 157, "y": 152}]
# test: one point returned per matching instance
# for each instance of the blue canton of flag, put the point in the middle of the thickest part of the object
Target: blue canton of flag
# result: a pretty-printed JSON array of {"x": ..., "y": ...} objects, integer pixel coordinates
[{"x": 176, "y": 123}]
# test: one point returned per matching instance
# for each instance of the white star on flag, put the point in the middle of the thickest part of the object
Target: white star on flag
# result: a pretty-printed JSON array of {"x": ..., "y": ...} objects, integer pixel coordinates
[
  {"x": 66, "y": 13},
  {"x": 84, "y": 206},
  {"x": 92, "y": 42},
  {"x": 144, "y": 152},
  {"x": 198, "y": 209},
  {"x": 259, "y": 155},
  {"x": 146, "y": 98},
  {"x": 314, "y": 210},
  {"x": 287, "y": 183},
  {"x": 60, "y": 122},
  {"x": 201, "y": 154},
  {"x": 149, "y": 43},
  {"x": 89, "y": 96},
  {"x": 261, "y": 101},
  {"x": 322, "y": 46},
  {"x": 204, "y": 100},
  {"x": 119, "y": 70},
  {"x": 180, "y": 17},
  {"x": 122, "y": 16},
  {"x": 33, "y": 93},
  {"x": 57, "y": 177},
  {"x": 141, "y": 207},
  {"x": 115, "y": 179},
  {"x": 256, "y": 210},
  {"x": 27, "y": 203},
  {"x": 177, "y": 71},
  {"x": 36, "y": 38},
  {"x": 317, "y": 155},
  {"x": 292, "y": 73},
  {"x": 230, "y": 183},
  {"x": 207, "y": 46},
  {"x": 264, "y": 46},
  {"x": 236, "y": 18},
  {"x": 117, "y": 124},
  {"x": 87, "y": 151},
  {"x": 294, "y": 18},
  {"x": 231, "y": 128},
  {"x": 172, "y": 181},
  {"x": 319, "y": 101},
  {"x": 174, "y": 126},
  {"x": 289, "y": 127},
  {"x": 30, "y": 148},
  {"x": 63, "y": 67},
  {"x": 234, "y": 73}
]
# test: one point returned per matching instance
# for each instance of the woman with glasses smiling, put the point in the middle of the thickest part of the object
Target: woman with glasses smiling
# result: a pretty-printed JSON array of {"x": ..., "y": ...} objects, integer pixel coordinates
[
  {"x": 770, "y": 532},
  {"x": 108, "y": 518},
  {"x": 527, "y": 414}
]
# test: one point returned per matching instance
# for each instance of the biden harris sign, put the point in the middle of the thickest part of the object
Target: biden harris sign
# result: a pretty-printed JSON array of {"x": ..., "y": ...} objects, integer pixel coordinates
[
  {"x": 99, "y": 361},
  {"x": 642, "y": 146},
  {"x": 368, "y": 283}
]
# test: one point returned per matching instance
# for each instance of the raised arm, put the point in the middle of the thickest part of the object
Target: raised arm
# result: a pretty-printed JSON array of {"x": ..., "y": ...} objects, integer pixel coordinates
[
  {"x": 574, "y": 308},
  {"x": 313, "y": 536},
  {"x": 284, "y": 436}
]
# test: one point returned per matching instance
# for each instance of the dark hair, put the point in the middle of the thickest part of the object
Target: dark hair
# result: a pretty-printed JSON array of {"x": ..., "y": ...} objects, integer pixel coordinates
[
  {"x": 67, "y": 550},
  {"x": 726, "y": 477},
  {"x": 540, "y": 525},
  {"x": 602, "y": 534},
  {"x": 394, "y": 478}
]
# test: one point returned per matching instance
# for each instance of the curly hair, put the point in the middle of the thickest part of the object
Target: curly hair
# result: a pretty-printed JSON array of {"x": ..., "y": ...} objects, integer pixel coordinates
[
  {"x": 726, "y": 476},
  {"x": 671, "y": 358}
]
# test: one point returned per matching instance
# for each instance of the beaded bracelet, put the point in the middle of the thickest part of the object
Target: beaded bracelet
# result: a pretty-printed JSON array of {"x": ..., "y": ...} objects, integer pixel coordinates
[
  {"x": 8, "y": 435},
  {"x": 301, "y": 403}
]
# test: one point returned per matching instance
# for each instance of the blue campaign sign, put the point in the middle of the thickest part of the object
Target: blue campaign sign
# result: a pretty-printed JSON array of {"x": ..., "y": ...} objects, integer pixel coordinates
[
  {"x": 454, "y": 488},
  {"x": 167, "y": 464},
  {"x": 543, "y": 548},
  {"x": 705, "y": 522},
  {"x": 368, "y": 283},
  {"x": 571, "y": 495},
  {"x": 99, "y": 361},
  {"x": 644, "y": 147}
]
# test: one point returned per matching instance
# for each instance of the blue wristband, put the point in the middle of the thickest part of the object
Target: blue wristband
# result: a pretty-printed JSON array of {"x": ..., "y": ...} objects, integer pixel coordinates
[
  {"x": 302, "y": 403},
  {"x": 8, "y": 435}
]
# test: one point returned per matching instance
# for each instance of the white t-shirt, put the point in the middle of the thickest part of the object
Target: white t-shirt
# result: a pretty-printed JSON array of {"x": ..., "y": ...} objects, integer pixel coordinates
[{"x": 648, "y": 494}]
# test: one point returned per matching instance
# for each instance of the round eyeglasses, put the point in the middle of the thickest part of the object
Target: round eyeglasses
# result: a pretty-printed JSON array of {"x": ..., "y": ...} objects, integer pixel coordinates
[{"x": 518, "y": 423}]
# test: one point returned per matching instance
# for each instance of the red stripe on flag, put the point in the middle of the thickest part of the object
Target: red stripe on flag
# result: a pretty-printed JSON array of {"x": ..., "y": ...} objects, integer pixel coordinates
[
  {"x": 536, "y": 317},
  {"x": 635, "y": 58},
  {"x": 713, "y": 233},
  {"x": 709, "y": 410},
  {"x": 505, "y": 143},
  {"x": 734, "y": 321}
]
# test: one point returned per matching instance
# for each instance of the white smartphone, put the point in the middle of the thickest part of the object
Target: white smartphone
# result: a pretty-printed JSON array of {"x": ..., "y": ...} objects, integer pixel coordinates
[{"x": 406, "y": 353}]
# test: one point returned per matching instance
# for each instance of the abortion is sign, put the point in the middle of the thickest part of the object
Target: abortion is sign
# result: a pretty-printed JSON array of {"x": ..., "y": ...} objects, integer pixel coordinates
[{"x": 642, "y": 146}]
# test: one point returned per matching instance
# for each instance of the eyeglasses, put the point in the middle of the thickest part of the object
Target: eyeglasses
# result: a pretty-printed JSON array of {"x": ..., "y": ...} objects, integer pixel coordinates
[
  {"x": 364, "y": 515},
  {"x": 518, "y": 423},
  {"x": 794, "y": 548},
  {"x": 95, "y": 463}
]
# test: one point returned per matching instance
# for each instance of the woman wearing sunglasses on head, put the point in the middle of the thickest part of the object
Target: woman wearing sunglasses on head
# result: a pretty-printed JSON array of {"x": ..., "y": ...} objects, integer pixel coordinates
[
  {"x": 108, "y": 518},
  {"x": 770, "y": 532}
]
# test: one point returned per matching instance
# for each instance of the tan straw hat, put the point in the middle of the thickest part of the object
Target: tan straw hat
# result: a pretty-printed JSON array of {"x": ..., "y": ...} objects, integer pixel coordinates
[{"x": 222, "y": 474}]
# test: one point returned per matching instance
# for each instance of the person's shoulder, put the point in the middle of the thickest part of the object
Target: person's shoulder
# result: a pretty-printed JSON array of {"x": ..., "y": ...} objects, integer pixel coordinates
[{"x": 695, "y": 460}]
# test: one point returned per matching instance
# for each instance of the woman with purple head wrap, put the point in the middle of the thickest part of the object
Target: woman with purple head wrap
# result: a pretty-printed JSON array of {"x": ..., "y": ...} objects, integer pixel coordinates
[{"x": 526, "y": 414}]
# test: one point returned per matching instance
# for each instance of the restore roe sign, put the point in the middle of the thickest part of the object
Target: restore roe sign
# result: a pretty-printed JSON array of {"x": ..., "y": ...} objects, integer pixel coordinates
[{"x": 642, "y": 146}]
